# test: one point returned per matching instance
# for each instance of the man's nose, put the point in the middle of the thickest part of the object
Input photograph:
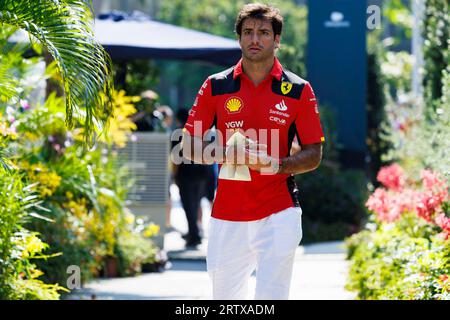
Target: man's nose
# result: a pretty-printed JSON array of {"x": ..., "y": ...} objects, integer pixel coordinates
[{"x": 255, "y": 38}]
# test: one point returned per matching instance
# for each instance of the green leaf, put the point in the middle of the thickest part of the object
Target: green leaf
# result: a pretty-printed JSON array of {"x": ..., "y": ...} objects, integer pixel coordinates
[
  {"x": 37, "y": 215},
  {"x": 65, "y": 30}
]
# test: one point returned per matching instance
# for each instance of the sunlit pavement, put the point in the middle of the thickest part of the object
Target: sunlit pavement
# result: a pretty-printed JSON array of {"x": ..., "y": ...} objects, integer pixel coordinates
[{"x": 319, "y": 270}]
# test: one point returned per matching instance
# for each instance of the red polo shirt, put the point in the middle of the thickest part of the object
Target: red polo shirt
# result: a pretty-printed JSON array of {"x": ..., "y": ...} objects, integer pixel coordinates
[{"x": 282, "y": 106}]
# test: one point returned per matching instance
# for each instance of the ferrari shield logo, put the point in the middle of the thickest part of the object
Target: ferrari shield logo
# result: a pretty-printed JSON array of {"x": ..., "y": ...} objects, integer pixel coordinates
[{"x": 286, "y": 87}]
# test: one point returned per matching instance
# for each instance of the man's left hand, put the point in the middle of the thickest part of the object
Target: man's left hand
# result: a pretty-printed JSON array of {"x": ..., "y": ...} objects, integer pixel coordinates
[{"x": 257, "y": 158}]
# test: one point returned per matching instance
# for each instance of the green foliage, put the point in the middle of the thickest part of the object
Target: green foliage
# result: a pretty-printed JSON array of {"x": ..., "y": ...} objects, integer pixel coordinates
[
  {"x": 408, "y": 259},
  {"x": 436, "y": 51},
  {"x": 399, "y": 16},
  {"x": 418, "y": 130},
  {"x": 82, "y": 190},
  {"x": 332, "y": 202},
  {"x": 389, "y": 77},
  {"x": 136, "y": 76},
  {"x": 409, "y": 127},
  {"x": 375, "y": 114},
  {"x": 388, "y": 263},
  {"x": 64, "y": 29},
  {"x": 133, "y": 251},
  {"x": 424, "y": 143},
  {"x": 331, "y": 198},
  {"x": 19, "y": 247}
]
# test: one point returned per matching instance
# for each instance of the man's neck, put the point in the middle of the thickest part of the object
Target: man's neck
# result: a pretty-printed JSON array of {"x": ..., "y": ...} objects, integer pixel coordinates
[{"x": 257, "y": 71}]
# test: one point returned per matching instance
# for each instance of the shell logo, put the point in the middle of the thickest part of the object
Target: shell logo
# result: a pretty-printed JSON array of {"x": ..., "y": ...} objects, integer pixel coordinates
[{"x": 234, "y": 105}]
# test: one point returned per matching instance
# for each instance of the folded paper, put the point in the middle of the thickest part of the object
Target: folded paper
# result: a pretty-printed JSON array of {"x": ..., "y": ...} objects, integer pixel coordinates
[{"x": 238, "y": 172}]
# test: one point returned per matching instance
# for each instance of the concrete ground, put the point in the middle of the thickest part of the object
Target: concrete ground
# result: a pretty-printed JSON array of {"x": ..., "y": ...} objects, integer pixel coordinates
[{"x": 319, "y": 271}]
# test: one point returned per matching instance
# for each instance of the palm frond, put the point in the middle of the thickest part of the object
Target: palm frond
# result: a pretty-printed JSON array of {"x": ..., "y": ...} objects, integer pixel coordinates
[
  {"x": 64, "y": 27},
  {"x": 7, "y": 84},
  {"x": 4, "y": 162}
]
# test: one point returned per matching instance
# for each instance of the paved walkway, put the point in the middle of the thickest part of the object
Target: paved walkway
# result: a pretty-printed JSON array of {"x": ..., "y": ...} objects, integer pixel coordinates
[{"x": 319, "y": 271}]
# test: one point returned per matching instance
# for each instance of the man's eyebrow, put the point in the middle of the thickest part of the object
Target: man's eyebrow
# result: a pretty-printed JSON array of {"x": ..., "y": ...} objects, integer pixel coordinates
[{"x": 261, "y": 29}]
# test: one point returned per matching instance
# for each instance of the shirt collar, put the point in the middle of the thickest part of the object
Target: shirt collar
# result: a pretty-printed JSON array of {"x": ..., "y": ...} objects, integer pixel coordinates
[{"x": 276, "y": 72}]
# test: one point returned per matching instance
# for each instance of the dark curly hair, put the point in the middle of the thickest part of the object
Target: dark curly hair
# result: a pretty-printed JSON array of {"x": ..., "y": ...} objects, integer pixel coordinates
[{"x": 260, "y": 11}]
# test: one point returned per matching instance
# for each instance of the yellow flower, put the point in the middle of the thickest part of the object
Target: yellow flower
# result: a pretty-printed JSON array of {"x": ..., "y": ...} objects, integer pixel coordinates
[
  {"x": 53, "y": 180},
  {"x": 120, "y": 125},
  {"x": 25, "y": 164},
  {"x": 30, "y": 136},
  {"x": 129, "y": 218},
  {"x": 78, "y": 208},
  {"x": 33, "y": 245},
  {"x": 69, "y": 195},
  {"x": 151, "y": 230},
  {"x": 46, "y": 192},
  {"x": 35, "y": 273},
  {"x": 48, "y": 182}
]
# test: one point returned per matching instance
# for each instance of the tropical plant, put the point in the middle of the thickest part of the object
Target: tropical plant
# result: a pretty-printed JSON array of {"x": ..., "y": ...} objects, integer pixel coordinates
[
  {"x": 19, "y": 247},
  {"x": 82, "y": 190},
  {"x": 64, "y": 28}
]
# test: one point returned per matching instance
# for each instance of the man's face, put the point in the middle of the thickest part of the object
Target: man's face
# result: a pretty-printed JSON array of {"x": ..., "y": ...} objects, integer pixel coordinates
[{"x": 257, "y": 40}]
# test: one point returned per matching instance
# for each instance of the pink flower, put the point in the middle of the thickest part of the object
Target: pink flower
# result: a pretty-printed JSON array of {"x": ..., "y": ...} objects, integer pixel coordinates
[
  {"x": 392, "y": 177},
  {"x": 390, "y": 206},
  {"x": 430, "y": 201},
  {"x": 432, "y": 182},
  {"x": 444, "y": 235},
  {"x": 404, "y": 201},
  {"x": 378, "y": 202},
  {"x": 431, "y": 179},
  {"x": 427, "y": 204},
  {"x": 24, "y": 104},
  {"x": 443, "y": 222}
]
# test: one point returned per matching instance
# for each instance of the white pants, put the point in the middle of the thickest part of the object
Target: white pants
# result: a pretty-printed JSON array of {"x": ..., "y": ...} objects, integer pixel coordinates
[{"x": 236, "y": 248}]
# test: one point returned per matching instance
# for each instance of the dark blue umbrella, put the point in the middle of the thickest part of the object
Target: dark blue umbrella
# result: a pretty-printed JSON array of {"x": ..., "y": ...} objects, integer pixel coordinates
[{"x": 136, "y": 36}]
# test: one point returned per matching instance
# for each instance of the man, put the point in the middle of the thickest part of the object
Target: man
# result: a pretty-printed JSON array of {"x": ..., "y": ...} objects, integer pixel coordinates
[
  {"x": 256, "y": 223},
  {"x": 191, "y": 179}
]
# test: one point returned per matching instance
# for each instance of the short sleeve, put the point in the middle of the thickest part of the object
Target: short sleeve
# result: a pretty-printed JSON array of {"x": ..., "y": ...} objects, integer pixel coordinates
[
  {"x": 201, "y": 115},
  {"x": 307, "y": 122}
]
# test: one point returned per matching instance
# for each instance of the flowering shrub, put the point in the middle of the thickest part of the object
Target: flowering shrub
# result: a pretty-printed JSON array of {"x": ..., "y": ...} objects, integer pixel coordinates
[
  {"x": 405, "y": 251},
  {"x": 19, "y": 247},
  {"x": 388, "y": 263},
  {"x": 84, "y": 191},
  {"x": 62, "y": 204},
  {"x": 81, "y": 193},
  {"x": 428, "y": 201}
]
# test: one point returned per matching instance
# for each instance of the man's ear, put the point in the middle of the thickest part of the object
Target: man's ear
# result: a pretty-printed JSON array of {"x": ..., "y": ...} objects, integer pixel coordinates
[{"x": 277, "y": 41}]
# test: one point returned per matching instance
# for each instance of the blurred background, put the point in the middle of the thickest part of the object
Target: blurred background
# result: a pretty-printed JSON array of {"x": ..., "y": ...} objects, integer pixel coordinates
[{"x": 77, "y": 192}]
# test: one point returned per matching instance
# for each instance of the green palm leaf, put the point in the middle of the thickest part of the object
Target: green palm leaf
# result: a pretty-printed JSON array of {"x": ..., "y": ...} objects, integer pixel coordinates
[
  {"x": 64, "y": 27},
  {"x": 7, "y": 84}
]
